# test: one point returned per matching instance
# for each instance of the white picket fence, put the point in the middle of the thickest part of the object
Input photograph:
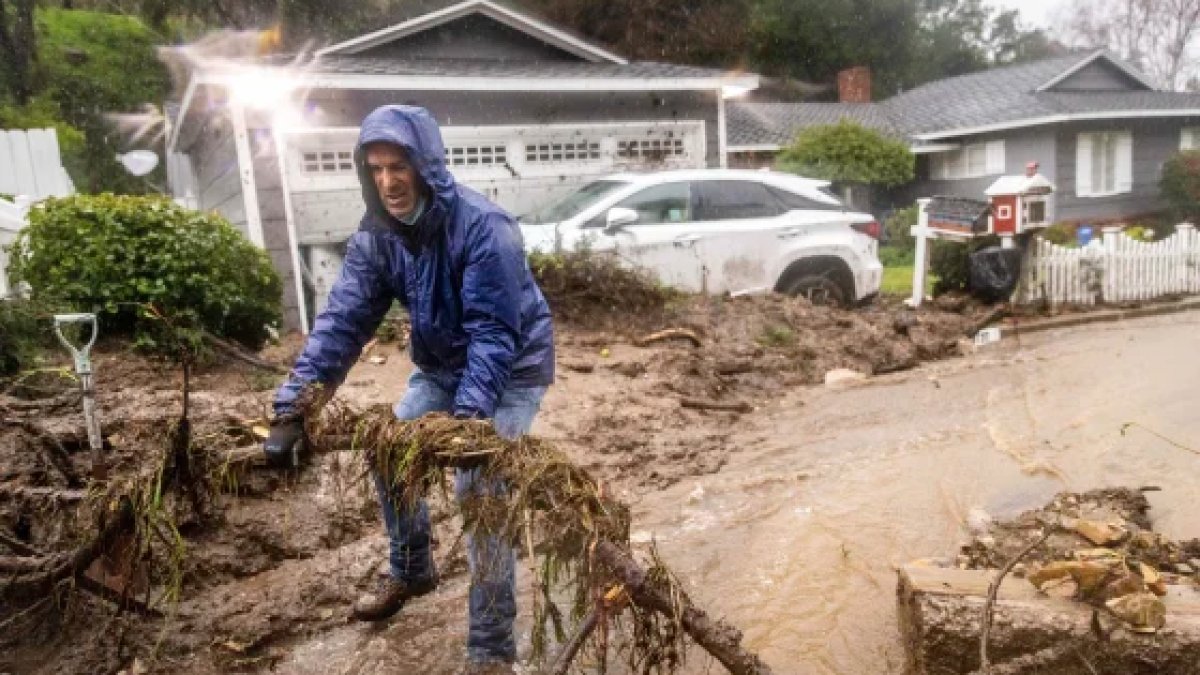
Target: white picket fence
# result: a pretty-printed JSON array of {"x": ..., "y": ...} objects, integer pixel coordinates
[{"x": 1116, "y": 268}]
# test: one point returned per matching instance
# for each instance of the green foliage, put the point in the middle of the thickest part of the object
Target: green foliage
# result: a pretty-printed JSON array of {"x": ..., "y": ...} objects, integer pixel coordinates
[
  {"x": 775, "y": 335},
  {"x": 89, "y": 64},
  {"x": 24, "y": 331},
  {"x": 1180, "y": 185},
  {"x": 1140, "y": 232},
  {"x": 950, "y": 262},
  {"x": 1062, "y": 234},
  {"x": 849, "y": 152},
  {"x": 898, "y": 228},
  {"x": 894, "y": 256},
  {"x": 123, "y": 257}
]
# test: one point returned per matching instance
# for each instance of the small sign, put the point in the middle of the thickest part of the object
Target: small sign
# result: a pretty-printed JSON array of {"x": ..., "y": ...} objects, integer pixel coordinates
[{"x": 987, "y": 336}]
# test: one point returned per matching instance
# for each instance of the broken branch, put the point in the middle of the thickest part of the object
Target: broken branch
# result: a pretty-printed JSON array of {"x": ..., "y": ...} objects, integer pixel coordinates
[
  {"x": 700, "y": 404},
  {"x": 985, "y": 666},
  {"x": 233, "y": 350},
  {"x": 718, "y": 638},
  {"x": 668, "y": 334}
]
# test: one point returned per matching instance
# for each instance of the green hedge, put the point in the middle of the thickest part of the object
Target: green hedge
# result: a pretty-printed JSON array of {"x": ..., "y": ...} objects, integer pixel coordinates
[
  {"x": 1180, "y": 185},
  {"x": 116, "y": 254}
]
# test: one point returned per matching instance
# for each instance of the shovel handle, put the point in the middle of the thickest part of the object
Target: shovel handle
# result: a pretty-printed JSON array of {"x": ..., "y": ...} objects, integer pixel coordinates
[{"x": 83, "y": 364}]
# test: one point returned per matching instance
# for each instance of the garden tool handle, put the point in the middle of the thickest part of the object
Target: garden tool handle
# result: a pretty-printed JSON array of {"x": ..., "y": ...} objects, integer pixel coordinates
[
  {"x": 83, "y": 363},
  {"x": 83, "y": 368}
]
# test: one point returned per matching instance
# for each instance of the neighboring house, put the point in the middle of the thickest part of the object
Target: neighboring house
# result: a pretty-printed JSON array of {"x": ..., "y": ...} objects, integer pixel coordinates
[
  {"x": 527, "y": 110},
  {"x": 1098, "y": 129}
]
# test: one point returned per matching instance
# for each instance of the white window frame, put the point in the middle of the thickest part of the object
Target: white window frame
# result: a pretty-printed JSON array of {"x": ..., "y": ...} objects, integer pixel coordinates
[
  {"x": 970, "y": 160},
  {"x": 1103, "y": 163},
  {"x": 1189, "y": 138}
]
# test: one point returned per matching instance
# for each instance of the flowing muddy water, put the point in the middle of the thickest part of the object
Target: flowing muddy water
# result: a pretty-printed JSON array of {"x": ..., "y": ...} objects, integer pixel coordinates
[{"x": 797, "y": 538}]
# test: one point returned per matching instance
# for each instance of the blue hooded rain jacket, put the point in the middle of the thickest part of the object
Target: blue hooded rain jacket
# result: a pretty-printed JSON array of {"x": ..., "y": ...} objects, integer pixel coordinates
[{"x": 478, "y": 318}]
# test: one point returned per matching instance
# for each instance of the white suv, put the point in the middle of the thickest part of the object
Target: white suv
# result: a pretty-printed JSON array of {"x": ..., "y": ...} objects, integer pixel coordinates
[{"x": 721, "y": 231}]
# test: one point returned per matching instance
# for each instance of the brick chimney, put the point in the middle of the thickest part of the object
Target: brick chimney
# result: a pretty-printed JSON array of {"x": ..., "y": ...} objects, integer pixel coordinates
[{"x": 854, "y": 85}]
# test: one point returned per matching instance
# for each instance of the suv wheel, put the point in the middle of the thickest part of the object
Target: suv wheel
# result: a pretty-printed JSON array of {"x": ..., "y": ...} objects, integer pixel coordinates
[{"x": 820, "y": 290}]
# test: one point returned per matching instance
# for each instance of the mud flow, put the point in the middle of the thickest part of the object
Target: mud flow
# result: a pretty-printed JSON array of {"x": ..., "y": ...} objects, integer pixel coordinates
[{"x": 783, "y": 503}]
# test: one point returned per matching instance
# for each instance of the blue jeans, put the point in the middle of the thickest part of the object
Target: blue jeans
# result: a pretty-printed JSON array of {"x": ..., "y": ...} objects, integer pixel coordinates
[{"x": 493, "y": 605}]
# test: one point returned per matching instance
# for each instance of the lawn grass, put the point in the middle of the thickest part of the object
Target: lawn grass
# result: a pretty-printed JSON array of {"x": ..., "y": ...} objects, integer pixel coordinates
[{"x": 897, "y": 280}]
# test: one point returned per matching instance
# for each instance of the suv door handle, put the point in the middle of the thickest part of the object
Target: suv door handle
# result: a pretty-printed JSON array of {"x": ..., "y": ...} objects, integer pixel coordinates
[
  {"x": 790, "y": 233},
  {"x": 685, "y": 240}
]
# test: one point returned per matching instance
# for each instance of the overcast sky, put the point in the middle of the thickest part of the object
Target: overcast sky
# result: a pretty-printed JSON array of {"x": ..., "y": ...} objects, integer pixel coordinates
[{"x": 1036, "y": 13}]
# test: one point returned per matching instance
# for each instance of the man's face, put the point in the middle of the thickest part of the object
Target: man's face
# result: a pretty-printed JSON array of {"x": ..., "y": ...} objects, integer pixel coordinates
[{"x": 397, "y": 181}]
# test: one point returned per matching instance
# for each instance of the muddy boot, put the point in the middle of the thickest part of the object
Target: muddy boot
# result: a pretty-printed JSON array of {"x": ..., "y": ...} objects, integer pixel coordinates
[{"x": 389, "y": 597}]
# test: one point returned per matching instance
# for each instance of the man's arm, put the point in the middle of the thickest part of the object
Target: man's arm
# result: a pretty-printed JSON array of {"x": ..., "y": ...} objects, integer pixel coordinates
[
  {"x": 357, "y": 304},
  {"x": 493, "y": 278}
]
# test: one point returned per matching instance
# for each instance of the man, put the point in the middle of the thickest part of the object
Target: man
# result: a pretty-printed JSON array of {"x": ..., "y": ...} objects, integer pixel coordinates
[{"x": 481, "y": 341}]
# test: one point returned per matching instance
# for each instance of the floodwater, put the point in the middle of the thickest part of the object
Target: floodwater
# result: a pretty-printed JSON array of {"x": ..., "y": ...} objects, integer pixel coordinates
[{"x": 797, "y": 539}]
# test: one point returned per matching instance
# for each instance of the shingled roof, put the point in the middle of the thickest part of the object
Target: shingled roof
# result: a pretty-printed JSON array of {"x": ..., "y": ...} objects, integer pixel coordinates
[{"x": 1007, "y": 97}]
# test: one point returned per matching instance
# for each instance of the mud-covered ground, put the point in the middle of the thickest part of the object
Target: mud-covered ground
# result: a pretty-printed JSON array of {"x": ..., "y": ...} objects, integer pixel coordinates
[{"x": 273, "y": 559}]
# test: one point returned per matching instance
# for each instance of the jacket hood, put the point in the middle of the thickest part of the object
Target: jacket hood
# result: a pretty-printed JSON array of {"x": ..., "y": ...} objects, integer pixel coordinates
[{"x": 413, "y": 129}]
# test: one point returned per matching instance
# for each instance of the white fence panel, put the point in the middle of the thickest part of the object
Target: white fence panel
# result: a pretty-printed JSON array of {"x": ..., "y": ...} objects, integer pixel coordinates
[
  {"x": 1115, "y": 269},
  {"x": 30, "y": 164}
]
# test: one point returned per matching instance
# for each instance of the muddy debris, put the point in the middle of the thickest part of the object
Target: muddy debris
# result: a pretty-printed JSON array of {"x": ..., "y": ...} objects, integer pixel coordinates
[{"x": 1088, "y": 576}]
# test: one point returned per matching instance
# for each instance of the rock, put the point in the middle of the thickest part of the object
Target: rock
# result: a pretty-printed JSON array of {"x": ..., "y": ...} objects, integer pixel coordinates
[
  {"x": 951, "y": 302},
  {"x": 1088, "y": 575},
  {"x": 1184, "y": 569},
  {"x": 1144, "y": 612},
  {"x": 843, "y": 376},
  {"x": 978, "y": 521},
  {"x": 1127, "y": 583},
  {"x": 1101, "y": 534},
  {"x": 966, "y": 346},
  {"x": 904, "y": 320}
]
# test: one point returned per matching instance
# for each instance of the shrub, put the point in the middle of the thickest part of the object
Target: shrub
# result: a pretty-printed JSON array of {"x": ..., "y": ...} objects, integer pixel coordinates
[
  {"x": 116, "y": 255},
  {"x": 23, "y": 332},
  {"x": 1062, "y": 234},
  {"x": 898, "y": 228},
  {"x": 1180, "y": 185},
  {"x": 849, "y": 152},
  {"x": 950, "y": 262}
]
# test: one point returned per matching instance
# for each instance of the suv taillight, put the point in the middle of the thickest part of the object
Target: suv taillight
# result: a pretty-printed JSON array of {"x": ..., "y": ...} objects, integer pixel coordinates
[{"x": 871, "y": 229}]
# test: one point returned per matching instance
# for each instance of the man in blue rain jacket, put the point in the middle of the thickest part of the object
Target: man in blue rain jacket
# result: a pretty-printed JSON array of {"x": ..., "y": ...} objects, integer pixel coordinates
[{"x": 481, "y": 341}]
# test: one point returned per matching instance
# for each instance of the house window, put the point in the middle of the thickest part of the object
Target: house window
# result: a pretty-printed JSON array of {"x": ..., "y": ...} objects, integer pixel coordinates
[
  {"x": 328, "y": 162},
  {"x": 1189, "y": 138},
  {"x": 969, "y": 161},
  {"x": 655, "y": 149},
  {"x": 1104, "y": 163},
  {"x": 476, "y": 155},
  {"x": 576, "y": 151}
]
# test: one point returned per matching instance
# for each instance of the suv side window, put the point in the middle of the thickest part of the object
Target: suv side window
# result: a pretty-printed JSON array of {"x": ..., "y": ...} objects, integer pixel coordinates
[
  {"x": 793, "y": 201},
  {"x": 666, "y": 203},
  {"x": 737, "y": 199}
]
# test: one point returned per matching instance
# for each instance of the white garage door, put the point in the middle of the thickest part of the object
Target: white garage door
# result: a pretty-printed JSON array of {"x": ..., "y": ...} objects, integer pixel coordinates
[{"x": 518, "y": 167}]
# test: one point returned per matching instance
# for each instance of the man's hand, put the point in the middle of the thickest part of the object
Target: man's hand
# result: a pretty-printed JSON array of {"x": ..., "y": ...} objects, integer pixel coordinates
[{"x": 286, "y": 443}]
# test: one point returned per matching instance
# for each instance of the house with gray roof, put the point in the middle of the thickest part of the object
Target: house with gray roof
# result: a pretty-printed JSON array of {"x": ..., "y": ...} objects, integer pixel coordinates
[
  {"x": 1098, "y": 129},
  {"x": 527, "y": 110}
]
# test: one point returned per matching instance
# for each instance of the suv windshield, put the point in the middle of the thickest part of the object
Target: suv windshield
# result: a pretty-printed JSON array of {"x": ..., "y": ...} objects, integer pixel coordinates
[{"x": 573, "y": 203}]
